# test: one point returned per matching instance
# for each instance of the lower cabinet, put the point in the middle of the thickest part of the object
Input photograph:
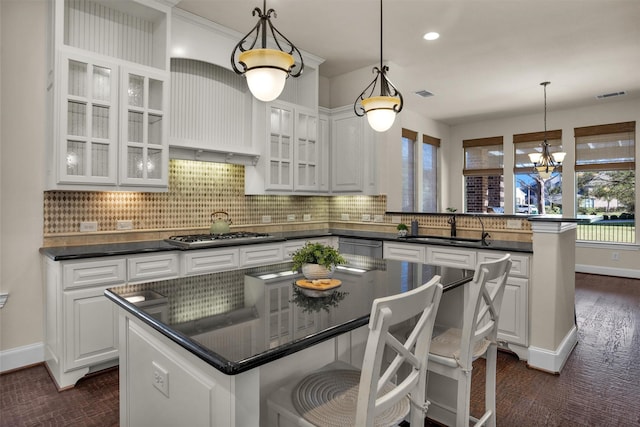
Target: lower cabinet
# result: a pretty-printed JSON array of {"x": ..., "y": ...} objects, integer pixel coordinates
[
  {"x": 513, "y": 327},
  {"x": 81, "y": 325},
  {"x": 91, "y": 326}
]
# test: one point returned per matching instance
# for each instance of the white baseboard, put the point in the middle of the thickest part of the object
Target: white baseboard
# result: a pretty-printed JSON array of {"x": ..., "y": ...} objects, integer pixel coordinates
[
  {"x": 608, "y": 271},
  {"x": 553, "y": 360},
  {"x": 21, "y": 356}
]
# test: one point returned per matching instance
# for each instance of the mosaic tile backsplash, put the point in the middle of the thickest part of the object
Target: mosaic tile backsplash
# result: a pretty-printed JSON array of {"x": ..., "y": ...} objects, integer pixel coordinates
[{"x": 197, "y": 189}]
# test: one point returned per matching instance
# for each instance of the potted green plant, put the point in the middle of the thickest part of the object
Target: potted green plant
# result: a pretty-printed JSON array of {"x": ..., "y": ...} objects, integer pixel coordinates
[
  {"x": 316, "y": 261},
  {"x": 402, "y": 229}
]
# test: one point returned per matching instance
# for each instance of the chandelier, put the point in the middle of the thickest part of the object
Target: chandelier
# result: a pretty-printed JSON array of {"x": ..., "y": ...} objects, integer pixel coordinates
[
  {"x": 380, "y": 110},
  {"x": 266, "y": 69},
  {"x": 545, "y": 163}
]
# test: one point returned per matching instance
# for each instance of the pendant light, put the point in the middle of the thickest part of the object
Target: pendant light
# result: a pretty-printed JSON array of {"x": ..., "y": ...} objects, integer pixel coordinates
[
  {"x": 545, "y": 163},
  {"x": 380, "y": 110},
  {"x": 266, "y": 69}
]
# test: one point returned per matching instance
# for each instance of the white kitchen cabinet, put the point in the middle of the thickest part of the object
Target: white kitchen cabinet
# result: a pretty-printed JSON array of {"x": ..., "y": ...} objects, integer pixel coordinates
[
  {"x": 291, "y": 158},
  {"x": 144, "y": 152},
  {"x": 324, "y": 138},
  {"x": 91, "y": 327},
  {"x": 459, "y": 258},
  {"x": 81, "y": 331},
  {"x": 210, "y": 261},
  {"x": 354, "y": 151},
  {"x": 290, "y": 246},
  {"x": 147, "y": 268},
  {"x": 513, "y": 328},
  {"x": 254, "y": 255},
  {"x": 404, "y": 252},
  {"x": 108, "y": 95}
]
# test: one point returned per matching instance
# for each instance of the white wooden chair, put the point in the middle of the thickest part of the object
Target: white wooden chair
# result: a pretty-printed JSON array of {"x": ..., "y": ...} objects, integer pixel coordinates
[
  {"x": 453, "y": 352},
  {"x": 340, "y": 395}
]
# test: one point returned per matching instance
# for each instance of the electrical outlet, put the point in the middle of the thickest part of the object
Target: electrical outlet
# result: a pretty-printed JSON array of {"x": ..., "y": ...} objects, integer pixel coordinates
[
  {"x": 291, "y": 217},
  {"x": 160, "y": 378},
  {"x": 344, "y": 217},
  {"x": 396, "y": 219},
  {"x": 87, "y": 226},
  {"x": 266, "y": 219},
  {"x": 615, "y": 256},
  {"x": 514, "y": 223},
  {"x": 306, "y": 217},
  {"x": 366, "y": 217},
  {"x": 124, "y": 225},
  {"x": 378, "y": 218}
]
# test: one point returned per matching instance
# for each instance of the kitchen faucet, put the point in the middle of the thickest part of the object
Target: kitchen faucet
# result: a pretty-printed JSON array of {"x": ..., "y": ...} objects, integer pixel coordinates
[
  {"x": 452, "y": 221},
  {"x": 484, "y": 236}
]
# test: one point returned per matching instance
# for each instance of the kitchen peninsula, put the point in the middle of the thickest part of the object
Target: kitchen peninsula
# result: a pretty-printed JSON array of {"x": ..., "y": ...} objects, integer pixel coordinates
[{"x": 206, "y": 350}]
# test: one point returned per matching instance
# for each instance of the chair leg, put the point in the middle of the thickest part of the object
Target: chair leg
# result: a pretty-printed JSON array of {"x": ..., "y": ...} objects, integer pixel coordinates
[
  {"x": 463, "y": 406},
  {"x": 490, "y": 384}
]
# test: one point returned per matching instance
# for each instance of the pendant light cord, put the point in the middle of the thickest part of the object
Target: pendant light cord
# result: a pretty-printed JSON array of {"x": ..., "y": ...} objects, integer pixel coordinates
[{"x": 381, "y": 34}]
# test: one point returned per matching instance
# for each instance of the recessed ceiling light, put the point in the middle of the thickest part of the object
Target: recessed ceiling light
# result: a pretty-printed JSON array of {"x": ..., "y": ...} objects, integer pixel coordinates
[{"x": 431, "y": 36}]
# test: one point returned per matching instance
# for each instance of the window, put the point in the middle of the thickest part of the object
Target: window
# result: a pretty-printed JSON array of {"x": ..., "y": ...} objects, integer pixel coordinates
[
  {"x": 419, "y": 172},
  {"x": 430, "y": 147},
  {"x": 483, "y": 172},
  {"x": 532, "y": 194},
  {"x": 605, "y": 182},
  {"x": 408, "y": 170}
]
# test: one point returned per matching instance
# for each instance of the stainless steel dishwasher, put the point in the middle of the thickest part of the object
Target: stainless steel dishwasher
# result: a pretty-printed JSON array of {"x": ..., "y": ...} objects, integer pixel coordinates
[{"x": 366, "y": 247}]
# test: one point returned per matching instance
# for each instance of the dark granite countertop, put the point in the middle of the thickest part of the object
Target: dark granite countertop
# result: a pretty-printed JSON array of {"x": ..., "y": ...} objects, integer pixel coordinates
[
  {"x": 229, "y": 319},
  {"x": 62, "y": 253}
]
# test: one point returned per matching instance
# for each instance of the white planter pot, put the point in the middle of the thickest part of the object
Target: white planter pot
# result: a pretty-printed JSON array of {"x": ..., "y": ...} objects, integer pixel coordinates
[{"x": 316, "y": 271}]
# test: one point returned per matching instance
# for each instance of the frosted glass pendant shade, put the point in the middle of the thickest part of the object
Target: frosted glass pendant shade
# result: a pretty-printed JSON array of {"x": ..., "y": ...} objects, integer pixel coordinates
[
  {"x": 380, "y": 111},
  {"x": 535, "y": 157},
  {"x": 266, "y": 72},
  {"x": 558, "y": 156}
]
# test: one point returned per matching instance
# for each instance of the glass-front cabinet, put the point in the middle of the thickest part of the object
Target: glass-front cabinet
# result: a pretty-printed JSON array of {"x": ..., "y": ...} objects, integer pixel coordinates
[
  {"x": 88, "y": 122},
  {"x": 144, "y": 157},
  {"x": 108, "y": 95},
  {"x": 280, "y": 171}
]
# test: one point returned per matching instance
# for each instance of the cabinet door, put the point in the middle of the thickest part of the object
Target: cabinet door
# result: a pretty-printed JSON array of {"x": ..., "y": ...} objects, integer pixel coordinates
[
  {"x": 404, "y": 252},
  {"x": 253, "y": 255},
  {"x": 306, "y": 151},
  {"x": 323, "y": 152},
  {"x": 279, "y": 173},
  {"x": 512, "y": 326},
  {"x": 279, "y": 320},
  {"x": 87, "y": 144},
  {"x": 91, "y": 328},
  {"x": 346, "y": 154},
  {"x": 459, "y": 258},
  {"x": 144, "y": 157},
  {"x": 153, "y": 267}
]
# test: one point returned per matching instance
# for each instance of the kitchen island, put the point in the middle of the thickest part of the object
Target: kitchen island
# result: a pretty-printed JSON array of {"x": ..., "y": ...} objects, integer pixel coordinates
[{"x": 207, "y": 350}]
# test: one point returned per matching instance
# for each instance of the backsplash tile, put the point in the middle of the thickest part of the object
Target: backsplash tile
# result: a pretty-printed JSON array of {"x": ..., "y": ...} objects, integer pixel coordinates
[{"x": 197, "y": 189}]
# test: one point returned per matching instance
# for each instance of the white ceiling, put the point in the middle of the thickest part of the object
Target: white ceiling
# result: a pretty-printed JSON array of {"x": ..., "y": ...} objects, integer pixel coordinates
[{"x": 490, "y": 58}]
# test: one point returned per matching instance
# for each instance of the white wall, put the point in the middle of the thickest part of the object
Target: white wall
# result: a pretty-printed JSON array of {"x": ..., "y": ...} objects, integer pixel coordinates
[
  {"x": 23, "y": 88},
  {"x": 589, "y": 258}
]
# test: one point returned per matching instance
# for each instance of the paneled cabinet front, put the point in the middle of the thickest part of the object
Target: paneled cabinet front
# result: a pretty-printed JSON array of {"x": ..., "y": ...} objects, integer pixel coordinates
[
  {"x": 108, "y": 95},
  {"x": 291, "y": 161}
]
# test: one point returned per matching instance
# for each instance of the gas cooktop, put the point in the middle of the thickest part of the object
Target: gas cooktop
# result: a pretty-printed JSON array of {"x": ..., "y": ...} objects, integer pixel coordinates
[{"x": 205, "y": 240}]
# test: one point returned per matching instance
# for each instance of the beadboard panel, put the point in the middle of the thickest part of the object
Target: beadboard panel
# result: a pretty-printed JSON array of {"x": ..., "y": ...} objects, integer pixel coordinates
[
  {"x": 210, "y": 107},
  {"x": 98, "y": 28}
]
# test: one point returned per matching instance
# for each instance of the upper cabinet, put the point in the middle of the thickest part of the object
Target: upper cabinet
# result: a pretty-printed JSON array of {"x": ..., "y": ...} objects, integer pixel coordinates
[
  {"x": 354, "y": 153},
  {"x": 108, "y": 94}
]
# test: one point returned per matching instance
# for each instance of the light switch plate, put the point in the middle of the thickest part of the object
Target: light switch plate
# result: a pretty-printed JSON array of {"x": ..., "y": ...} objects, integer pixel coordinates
[
  {"x": 291, "y": 217},
  {"x": 124, "y": 225},
  {"x": 306, "y": 217},
  {"x": 87, "y": 226},
  {"x": 344, "y": 217},
  {"x": 514, "y": 223},
  {"x": 366, "y": 217},
  {"x": 378, "y": 218},
  {"x": 266, "y": 219}
]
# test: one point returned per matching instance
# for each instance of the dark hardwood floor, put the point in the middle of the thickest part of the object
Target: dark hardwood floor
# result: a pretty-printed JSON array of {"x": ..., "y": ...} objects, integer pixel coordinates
[{"x": 599, "y": 386}]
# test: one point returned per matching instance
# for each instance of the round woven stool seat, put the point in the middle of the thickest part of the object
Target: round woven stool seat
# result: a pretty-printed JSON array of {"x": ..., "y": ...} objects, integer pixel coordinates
[{"x": 329, "y": 398}]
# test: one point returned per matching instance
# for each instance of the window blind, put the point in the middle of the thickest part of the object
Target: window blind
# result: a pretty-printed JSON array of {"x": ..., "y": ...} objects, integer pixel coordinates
[
  {"x": 525, "y": 143},
  {"x": 605, "y": 147},
  {"x": 483, "y": 156}
]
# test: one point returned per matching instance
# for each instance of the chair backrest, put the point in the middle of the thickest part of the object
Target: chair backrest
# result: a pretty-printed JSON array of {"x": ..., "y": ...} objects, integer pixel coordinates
[
  {"x": 385, "y": 313},
  {"x": 482, "y": 312}
]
